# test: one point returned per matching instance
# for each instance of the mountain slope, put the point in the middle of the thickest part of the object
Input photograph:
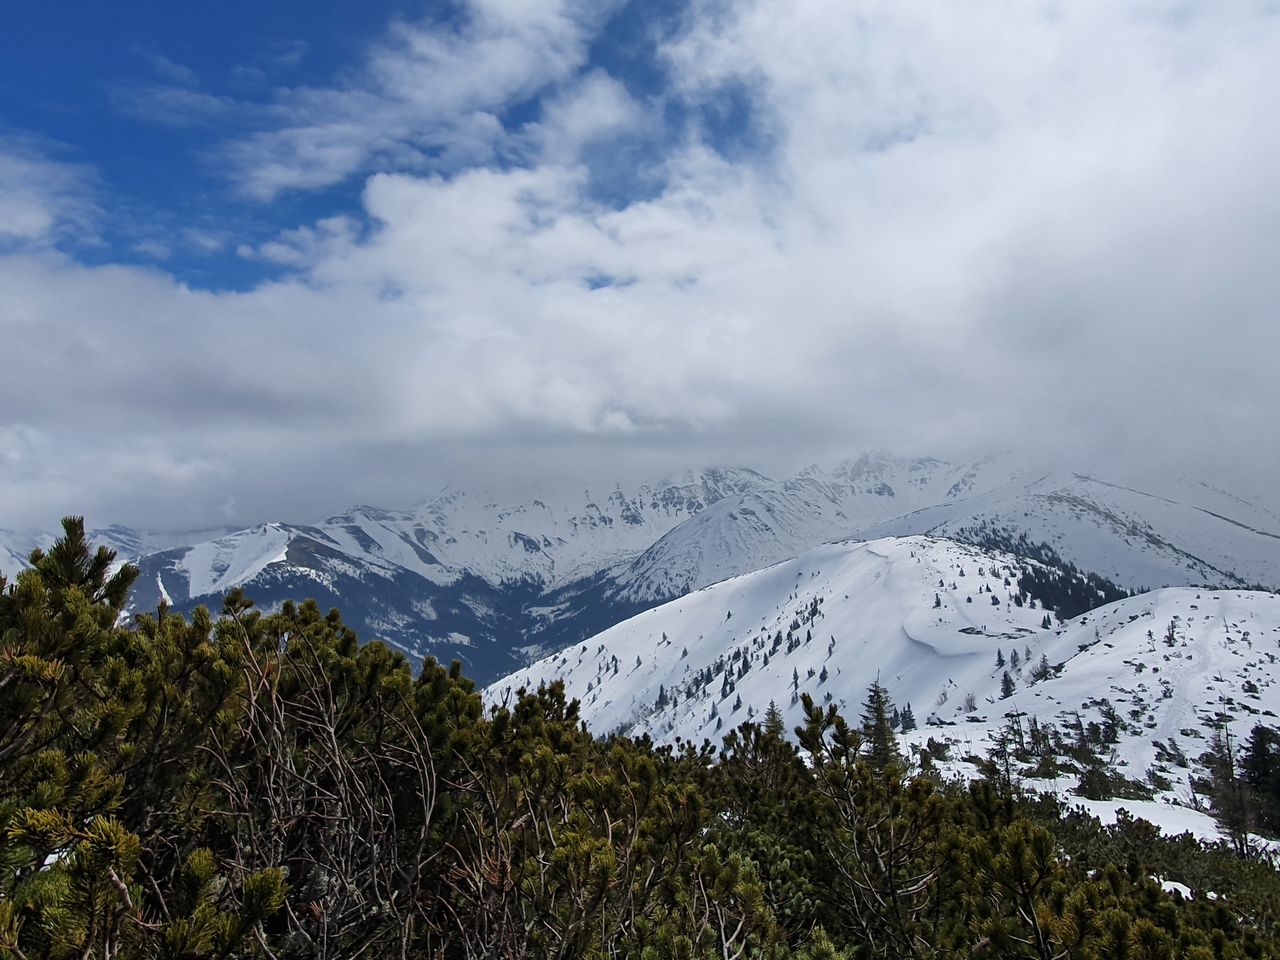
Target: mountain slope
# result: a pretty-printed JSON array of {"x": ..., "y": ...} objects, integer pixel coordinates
[
  {"x": 928, "y": 619},
  {"x": 459, "y": 576},
  {"x": 551, "y": 535},
  {"x": 784, "y": 518},
  {"x": 1183, "y": 533},
  {"x": 857, "y": 608},
  {"x": 1186, "y": 534},
  {"x": 129, "y": 544},
  {"x": 12, "y": 557}
]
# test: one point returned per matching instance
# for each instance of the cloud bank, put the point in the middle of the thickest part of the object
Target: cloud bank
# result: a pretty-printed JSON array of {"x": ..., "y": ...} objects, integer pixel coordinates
[{"x": 925, "y": 227}]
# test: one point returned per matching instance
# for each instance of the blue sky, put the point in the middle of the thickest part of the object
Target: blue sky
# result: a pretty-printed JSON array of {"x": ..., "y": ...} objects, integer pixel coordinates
[
  {"x": 388, "y": 246},
  {"x": 73, "y": 71},
  {"x": 148, "y": 94},
  {"x": 149, "y": 98}
]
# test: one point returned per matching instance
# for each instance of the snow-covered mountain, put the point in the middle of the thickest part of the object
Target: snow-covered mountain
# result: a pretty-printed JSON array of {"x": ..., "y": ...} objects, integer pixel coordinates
[
  {"x": 460, "y": 575},
  {"x": 1179, "y": 532},
  {"x": 932, "y": 620},
  {"x": 495, "y": 579},
  {"x": 1175, "y": 532},
  {"x": 12, "y": 557},
  {"x": 552, "y": 536},
  {"x": 913, "y": 611},
  {"x": 781, "y": 519},
  {"x": 128, "y": 543}
]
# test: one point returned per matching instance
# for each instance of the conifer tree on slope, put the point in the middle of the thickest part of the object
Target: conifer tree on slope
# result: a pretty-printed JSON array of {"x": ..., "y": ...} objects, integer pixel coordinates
[
  {"x": 1260, "y": 768},
  {"x": 882, "y": 745},
  {"x": 773, "y": 725}
]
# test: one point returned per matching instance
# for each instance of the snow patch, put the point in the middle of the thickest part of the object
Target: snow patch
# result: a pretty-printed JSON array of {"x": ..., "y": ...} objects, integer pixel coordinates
[{"x": 218, "y": 565}]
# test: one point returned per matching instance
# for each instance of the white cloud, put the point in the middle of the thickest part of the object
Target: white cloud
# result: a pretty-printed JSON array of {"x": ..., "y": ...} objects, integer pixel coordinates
[
  {"x": 303, "y": 246},
  {"x": 41, "y": 198},
  {"x": 175, "y": 105},
  {"x": 206, "y": 241},
  {"x": 996, "y": 226},
  {"x": 154, "y": 249},
  {"x": 169, "y": 69},
  {"x": 594, "y": 107},
  {"x": 427, "y": 91}
]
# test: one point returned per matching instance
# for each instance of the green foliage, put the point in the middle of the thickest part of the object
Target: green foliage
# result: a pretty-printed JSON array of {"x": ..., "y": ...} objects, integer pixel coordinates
[
  {"x": 882, "y": 745},
  {"x": 263, "y": 785},
  {"x": 1260, "y": 769}
]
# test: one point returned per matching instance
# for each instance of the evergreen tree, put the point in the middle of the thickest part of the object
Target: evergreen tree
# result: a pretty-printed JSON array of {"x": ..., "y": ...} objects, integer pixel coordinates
[
  {"x": 73, "y": 565},
  {"x": 1041, "y": 670},
  {"x": 908, "y": 719},
  {"x": 1260, "y": 767},
  {"x": 1006, "y": 685},
  {"x": 999, "y": 658},
  {"x": 1228, "y": 792},
  {"x": 882, "y": 745}
]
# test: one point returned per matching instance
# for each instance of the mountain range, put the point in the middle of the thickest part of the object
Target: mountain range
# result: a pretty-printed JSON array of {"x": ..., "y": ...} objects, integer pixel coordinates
[{"x": 498, "y": 581}]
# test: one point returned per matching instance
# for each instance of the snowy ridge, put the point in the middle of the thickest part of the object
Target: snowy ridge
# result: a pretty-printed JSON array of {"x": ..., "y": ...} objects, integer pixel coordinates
[
  {"x": 785, "y": 518},
  {"x": 496, "y": 579},
  {"x": 458, "y": 576},
  {"x": 129, "y": 544},
  {"x": 216, "y": 566},
  {"x": 543, "y": 541},
  {"x": 1181, "y": 533},
  {"x": 10, "y": 560},
  {"x": 926, "y": 618},
  {"x": 552, "y": 536},
  {"x": 1187, "y": 534},
  {"x": 875, "y": 599}
]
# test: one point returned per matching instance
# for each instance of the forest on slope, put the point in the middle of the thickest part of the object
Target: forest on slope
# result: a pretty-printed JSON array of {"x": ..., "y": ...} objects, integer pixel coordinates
[{"x": 265, "y": 785}]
